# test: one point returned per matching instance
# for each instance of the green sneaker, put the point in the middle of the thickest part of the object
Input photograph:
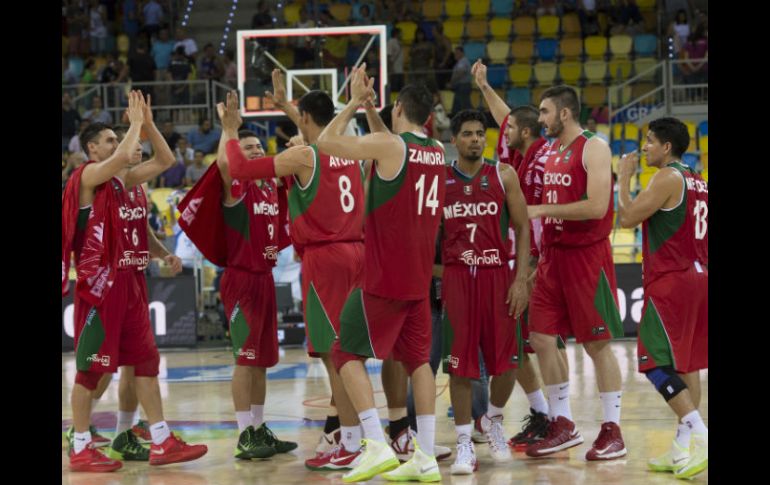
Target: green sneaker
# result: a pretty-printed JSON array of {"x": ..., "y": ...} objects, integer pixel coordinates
[
  {"x": 264, "y": 435},
  {"x": 249, "y": 447},
  {"x": 126, "y": 447}
]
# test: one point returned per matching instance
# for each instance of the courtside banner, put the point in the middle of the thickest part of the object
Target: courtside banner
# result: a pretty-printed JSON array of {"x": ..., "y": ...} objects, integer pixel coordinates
[
  {"x": 630, "y": 296},
  {"x": 172, "y": 313}
]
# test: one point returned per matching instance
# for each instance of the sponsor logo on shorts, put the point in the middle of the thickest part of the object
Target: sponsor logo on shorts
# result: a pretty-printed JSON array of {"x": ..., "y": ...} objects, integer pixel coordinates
[
  {"x": 271, "y": 252},
  {"x": 515, "y": 359},
  {"x": 489, "y": 256},
  {"x": 643, "y": 359},
  {"x": 598, "y": 330},
  {"x": 138, "y": 259},
  {"x": 101, "y": 359},
  {"x": 250, "y": 354}
]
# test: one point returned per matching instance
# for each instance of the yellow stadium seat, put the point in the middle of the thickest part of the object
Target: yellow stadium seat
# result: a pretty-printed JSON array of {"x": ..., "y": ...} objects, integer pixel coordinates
[
  {"x": 455, "y": 8},
  {"x": 704, "y": 159},
  {"x": 548, "y": 26},
  {"x": 623, "y": 245},
  {"x": 604, "y": 129},
  {"x": 447, "y": 98},
  {"x": 500, "y": 28},
  {"x": 645, "y": 4},
  {"x": 632, "y": 131},
  {"x": 705, "y": 175},
  {"x": 620, "y": 69},
  {"x": 570, "y": 25},
  {"x": 620, "y": 46},
  {"x": 625, "y": 95},
  {"x": 272, "y": 145},
  {"x": 340, "y": 11},
  {"x": 595, "y": 71},
  {"x": 650, "y": 20},
  {"x": 477, "y": 29},
  {"x": 291, "y": 13},
  {"x": 594, "y": 96},
  {"x": 209, "y": 159},
  {"x": 644, "y": 179},
  {"x": 522, "y": 50},
  {"x": 545, "y": 73},
  {"x": 453, "y": 29},
  {"x": 479, "y": 8},
  {"x": 570, "y": 72},
  {"x": 497, "y": 51},
  {"x": 431, "y": 9},
  {"x": 285, "y": 56},
  {"x": 408, "y": 31},
  {"x": 643, "y": 65},
  {"x": 524, "y": 27},
  {"x": 571, "y": 48},
  {"x": 519, "y": 74},
  {"x": 595, "y": 46},
  {"x": 476, "y": 99}
]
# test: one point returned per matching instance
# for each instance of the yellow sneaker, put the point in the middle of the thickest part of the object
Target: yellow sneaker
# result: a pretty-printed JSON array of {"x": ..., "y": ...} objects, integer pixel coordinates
[
  {"x": 420, "y": 467},
  {"x": 675, "y": 458},
  {"x": 699, "y": 457},
  {"x": 377, "y": 458}
]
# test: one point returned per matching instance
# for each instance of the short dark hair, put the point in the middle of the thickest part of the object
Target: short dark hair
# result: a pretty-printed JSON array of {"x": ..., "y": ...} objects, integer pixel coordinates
[
  {"x": 460, "y": 48},
  {"x": 91, "y": 134},
  {"x": 563, "y": 97},
  {"x": 247, "y": 134},
  {"x": 394, "y": 33},
  {"x": 202, "y": 120},
  {"x": 417, "y": 102},
  {"x": 527, "y": 117},
  {"x": 671, "y": 130},
  {"x": 200, "y": 151},
  {"x": 318, "y": 105},
  {"x": 464, "y": 116}
]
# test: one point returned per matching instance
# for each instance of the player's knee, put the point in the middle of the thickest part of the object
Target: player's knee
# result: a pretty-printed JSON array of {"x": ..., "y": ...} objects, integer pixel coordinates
[
  {"x": 148, "y": 368},
  {"x": 88, "y": 379},
  {"x": 542, "y": 343},
  {"x": 667, "y": 382},
  {"x": 340, "y": 358},
  {"x": 594, "y": 349}
]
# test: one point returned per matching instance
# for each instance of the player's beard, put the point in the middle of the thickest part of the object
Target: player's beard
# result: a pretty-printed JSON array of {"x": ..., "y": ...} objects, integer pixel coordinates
[
  {"x": 471, "y": 157},
  {"x": 556, "y": 129}
]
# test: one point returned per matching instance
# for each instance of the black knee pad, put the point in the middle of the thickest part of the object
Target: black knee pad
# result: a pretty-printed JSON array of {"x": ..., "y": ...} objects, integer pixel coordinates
[{"x": 666, "y": 381}]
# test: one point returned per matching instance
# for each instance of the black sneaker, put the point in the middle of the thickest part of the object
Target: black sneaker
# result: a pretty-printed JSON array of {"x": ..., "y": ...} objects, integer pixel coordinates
[
  {"x": 249, "y": 447},
  {"x": 126, "y": 447},
  {"x": 535, "y": 426},
  {"x": 264, "y": 435}
]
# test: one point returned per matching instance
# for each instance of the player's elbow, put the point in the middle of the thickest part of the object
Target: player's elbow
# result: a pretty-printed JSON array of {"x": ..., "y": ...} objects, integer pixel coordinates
[{"x": 626, "y": 222}]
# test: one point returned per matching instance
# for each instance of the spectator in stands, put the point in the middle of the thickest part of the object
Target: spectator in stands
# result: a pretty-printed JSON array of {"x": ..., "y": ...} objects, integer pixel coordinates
[
  {"x": 204, "y": 138},
  {"x": 153, "y": 16},
  {"x": 460, "y": 82},
  {"x": 230, "y": 76},
  {"x": 74, "y": 144},
  {"x": 77, "y": 25},
  {"x": 141, "y": 67},
  {"x": 209, "y": 65},
  {"x": 546, "y": 7},
  {"x": 262, "y": 19},
  {"x": 96, "y": 114},
  {"x": 70, "y": 118},
  {"x": 679, "y": 30},
  {"x": 184, "y": 152},
  {"x": 196, "y": 170},
  {"x": 601, "y": 114},
  {"x": 89, "y": 72},
  {"x": 697, "y": 47},
  {"x": 186, "y": 251},
  {"x": 162, "y": 49},
  {"x": 130, "y": 18},
  {"x": 170, "y": 135},
  {"x": 626, "y": 18},
  {"x": 591, "y": 126},
  {"x": 305, "y": 51},
  {"x": 68, "y": 76},
  {"x": 173, "y": 177},
  {"x": 396, "y": 60},
  {"x": 421, "y": 58},
  {"x": 363, "y": 13},
  {"x": 441, "y": 121},
  {"x": 443, "y": 61},
  {"x": 190, "y": 47},
  {"x": 179, "y": 69},
  {"x": 98, "y": 27},
  {"x": 589, "y": 19},
  {"x": 74, "y": 160}
]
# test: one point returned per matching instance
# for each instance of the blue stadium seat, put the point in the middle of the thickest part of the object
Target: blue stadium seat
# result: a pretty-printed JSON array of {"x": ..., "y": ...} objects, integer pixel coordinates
[
  {"x": 546, "y": 49},
  {"x": 501, "y": 7},
  {"x": 621, "y": 147},
  {"x": 703, "y": 128},
  {"x": 645, "y": 45},
  {"x": 474, "y": 50},
  {"x": 518, "y": 96},
  {"x": 496, "y": 75},
  {"x": 690, "y": 159}
]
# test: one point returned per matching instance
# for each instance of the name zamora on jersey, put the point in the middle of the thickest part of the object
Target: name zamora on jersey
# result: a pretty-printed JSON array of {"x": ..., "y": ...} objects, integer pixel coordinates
[{"x": 426, "y": 158}]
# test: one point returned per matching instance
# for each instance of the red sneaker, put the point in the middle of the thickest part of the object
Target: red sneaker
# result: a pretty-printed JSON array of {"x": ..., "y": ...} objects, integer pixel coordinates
[
  {"x": 92, "y": 460},
  {"x": 608, "y": 445},
  {"x": 142, "y": 432},
  {"x": 97, "y": 439},
  {"x": 337, "y": 459},
  {"x": 535, "y": 426},
  {"x": 175, "y": 450},
  {"x": 561, "y": 435}
]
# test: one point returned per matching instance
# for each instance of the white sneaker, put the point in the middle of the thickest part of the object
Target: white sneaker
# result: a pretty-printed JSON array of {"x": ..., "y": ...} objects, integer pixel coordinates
[
  {"x": 327, "y": 442},
  {"x": 480, "y": 428},
  {"x": 421, "y": 467},
  {"x": 376, "y": 458},
  {"x": 699, "y": 457},
  {"x": 465, "y": 462},
  {"x": 675, "y": 458},
  {"x": 498, "y": 448},
  {"x": 403, "y": 446}
]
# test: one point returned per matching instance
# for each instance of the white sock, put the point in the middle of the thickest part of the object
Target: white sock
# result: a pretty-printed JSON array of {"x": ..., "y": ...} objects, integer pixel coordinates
[
  {"x": 493, "y": 411},
  {"x": 611, "y": 405},
  {"x": 537, "y": 401},
  {"x": 370, "y": 422},
  {"x": 244, "y": 419},
  {"x": 558, "y": 401},
  {"x": 695, "y": 423},
  {"x": 683, "y": 436},
  {"x": 125, "y": 419},
  {"x": 81, "y": 440},
  {"x": 160, "y": 432},
  {"x": 394, "y": 414},
  {"x": 463, "y": 430},
  {"x": 426, "y": 434},
  {"x": 351, "y": 437},
  {"x": 135, "y": 419},
  {"x": 257, "y": 415}
]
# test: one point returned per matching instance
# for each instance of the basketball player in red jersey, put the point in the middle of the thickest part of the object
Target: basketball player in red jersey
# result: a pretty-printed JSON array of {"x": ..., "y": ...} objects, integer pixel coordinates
[
  {"x": 521, "y": 145},
  {"x": 482, "y": 296},
  {"x": 673, "y": 333},
  {"x": 391, "y": 314},
  {"x": 105, "y": 224},
  {"x": 575, "y": 290}
]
